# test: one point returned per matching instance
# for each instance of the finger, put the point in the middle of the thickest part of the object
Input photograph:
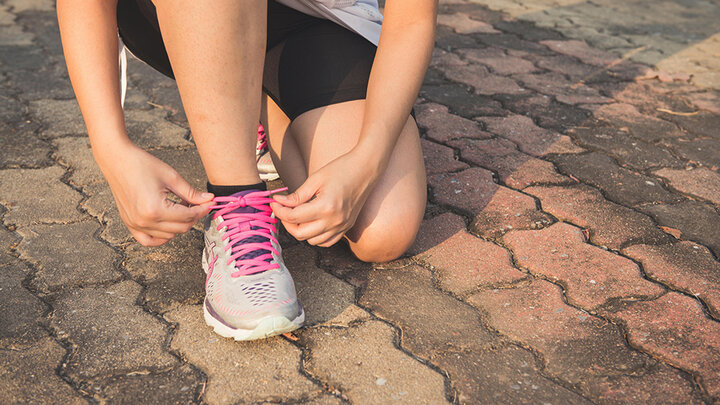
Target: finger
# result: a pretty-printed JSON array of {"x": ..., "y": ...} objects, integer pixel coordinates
[
  {"x": 309, "y": 230},
  {"x": 159, "y": 234},
  {"x": 325, "y": 238},
  {"x": 145, "y": 239},
  {"x": 303, "y": 194},
  {"x": 178, "y": 213},
  {"x": 188, "y": 193},
  {"x": 303, "y": 213},
  {"x": 332, "y": 241},
  {"x": 173, "y": 227}
]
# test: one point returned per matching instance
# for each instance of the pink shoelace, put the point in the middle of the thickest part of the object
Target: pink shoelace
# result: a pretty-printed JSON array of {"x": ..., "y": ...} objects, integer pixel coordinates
[
  {"x": 249, "y": 233},
  {"x": 261, "y": 138}
]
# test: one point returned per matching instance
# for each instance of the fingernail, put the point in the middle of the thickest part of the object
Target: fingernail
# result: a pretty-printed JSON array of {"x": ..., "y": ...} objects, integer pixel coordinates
[{"x": 207, "y": 195}]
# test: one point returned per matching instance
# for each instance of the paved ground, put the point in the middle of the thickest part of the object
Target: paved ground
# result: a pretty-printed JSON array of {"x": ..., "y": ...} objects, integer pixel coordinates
[{"x": 569, "y": 253}]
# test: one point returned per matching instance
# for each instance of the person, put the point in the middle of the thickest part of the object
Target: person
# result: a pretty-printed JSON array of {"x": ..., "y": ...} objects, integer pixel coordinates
[{"x": 333, "y": 83}]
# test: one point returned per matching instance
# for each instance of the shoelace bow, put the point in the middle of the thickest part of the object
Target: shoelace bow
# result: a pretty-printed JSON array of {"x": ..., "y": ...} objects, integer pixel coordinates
[{"x": 241, "y": 226}]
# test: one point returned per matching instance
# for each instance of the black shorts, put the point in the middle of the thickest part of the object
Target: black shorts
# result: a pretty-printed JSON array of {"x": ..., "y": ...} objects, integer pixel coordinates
[{"x": 310, "y": 62}]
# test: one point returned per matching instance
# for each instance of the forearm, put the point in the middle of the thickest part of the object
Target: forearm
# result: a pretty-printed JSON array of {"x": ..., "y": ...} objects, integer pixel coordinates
[
  {"x": 402, "y": 58},
  {"x": 88, "y": 30}
]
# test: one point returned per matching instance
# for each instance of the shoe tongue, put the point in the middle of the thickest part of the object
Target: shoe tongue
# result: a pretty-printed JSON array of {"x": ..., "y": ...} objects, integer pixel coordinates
[
  {"x": 253, "y": 239},
  {"x": 247, "y": 209}
]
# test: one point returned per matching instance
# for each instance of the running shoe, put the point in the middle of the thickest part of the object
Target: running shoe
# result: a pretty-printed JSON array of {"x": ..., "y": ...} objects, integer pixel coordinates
[
  {"x": 265, "y": 165},
  {"x": 249, "y": 293}
]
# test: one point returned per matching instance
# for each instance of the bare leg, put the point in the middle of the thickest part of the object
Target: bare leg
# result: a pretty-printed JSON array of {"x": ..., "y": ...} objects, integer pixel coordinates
[
  {"x": 217, "y": 52},
  {"x": 391, "y": 217}
]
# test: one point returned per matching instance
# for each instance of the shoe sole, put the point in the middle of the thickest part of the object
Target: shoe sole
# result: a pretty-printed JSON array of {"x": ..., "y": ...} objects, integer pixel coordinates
[
  {"x": 269, "y": 176},
  {"x": 268, "y": 327}
]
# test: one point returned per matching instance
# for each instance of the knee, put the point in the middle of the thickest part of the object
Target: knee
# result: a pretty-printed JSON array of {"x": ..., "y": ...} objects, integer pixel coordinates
[{"x": 382, "y": 244}]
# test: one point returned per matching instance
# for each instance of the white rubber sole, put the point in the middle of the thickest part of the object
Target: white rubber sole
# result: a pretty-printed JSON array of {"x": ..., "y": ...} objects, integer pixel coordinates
[
  {"x": 268, "y": 327},
  {"x": 269, "y": 176}
]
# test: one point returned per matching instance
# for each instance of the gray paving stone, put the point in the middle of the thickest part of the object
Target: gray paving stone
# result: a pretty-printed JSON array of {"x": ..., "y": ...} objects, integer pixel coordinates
[
  {"x": 44, "y": 81},
  {"x": 530, "y": 138},
  {"x": 636, "y": 154},
  {"x": 583, "y": 350},
  {"x": 75, "y": 152},
  {"x": 37, "y": 195},
  {"x": 696, "y": 221},
  {"x": 67, "y": 255},
  {"x": 701, "y": 182},
  {"x": 253, "y": 371},
  {"x": 323, "y": 296},
  {"x": 508, "y": 375},
  {"x": 496, "y": 209},
  {"x": 20, "y": 311},
  {"x": 705, "y": 151},
  {"x": 151, "y": 129},
  {"x": 35, "y": 367},
  {"x": 172, "y": 273},
  {"x": 19, "y": 6},
  {"x": 407, "y": 298},
  {"x": 514, "y": 168},
  {"x": 8, "y": 240},
  {"x": 461, "y": 101},
  {"x": 618, "y": 184},
  {"x": 644, "y": 127},
  {"x": 21, "y": 148},
  {"x": 59, "y": 117},
  {"x": 14, "y": 35},
  {"x": 442, "y": 126},
  {"x": 177, "y": 386},
  {"x": 44, "y": 26},
  {"x": 13, "y": 110},
  {"x": 439, "y": 158},
  {"x": 187, "y": 163},
  {"x": 101, "y": 205},
  {"x": 547, "y": 113},
  {"x": 609, "y": 225},
  {"x": 109, "y": 333},
  {"x": 363, "y": 363}
]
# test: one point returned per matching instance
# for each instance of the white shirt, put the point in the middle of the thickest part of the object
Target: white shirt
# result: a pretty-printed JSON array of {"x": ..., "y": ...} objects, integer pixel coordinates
[{"x": 360, "y": 16}]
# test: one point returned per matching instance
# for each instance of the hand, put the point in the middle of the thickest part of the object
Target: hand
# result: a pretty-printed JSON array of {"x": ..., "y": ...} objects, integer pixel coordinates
[
  {"x": 327, "y": 205},
  {"x": 140, "y": 184}
]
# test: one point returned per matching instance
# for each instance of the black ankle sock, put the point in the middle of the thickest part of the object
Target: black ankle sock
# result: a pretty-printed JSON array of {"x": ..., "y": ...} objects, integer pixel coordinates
[{"x": 224, "y": 191}]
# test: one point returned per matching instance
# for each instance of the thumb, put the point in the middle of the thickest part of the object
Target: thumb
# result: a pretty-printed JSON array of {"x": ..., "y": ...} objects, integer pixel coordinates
[
  {"x": 303, "y": 194},
  {"x": 188, "y": 193}
]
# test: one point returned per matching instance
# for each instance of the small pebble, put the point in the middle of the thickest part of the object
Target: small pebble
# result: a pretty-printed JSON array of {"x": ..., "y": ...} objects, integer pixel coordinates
[{"x": 380, "y": 381}]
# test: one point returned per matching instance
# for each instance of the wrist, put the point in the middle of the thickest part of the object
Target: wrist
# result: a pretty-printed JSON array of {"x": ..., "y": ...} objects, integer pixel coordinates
[{"x": 109, "y": 150}]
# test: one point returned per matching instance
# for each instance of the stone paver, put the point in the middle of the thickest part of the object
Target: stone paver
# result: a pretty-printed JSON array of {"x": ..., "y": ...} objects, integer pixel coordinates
[
  {"x": 700, "y": 182},
  {"x": 442, "y": 126},
  {"x": 496, "y": 209},
  {"x": 172, "y": 274},
  {"x": 37, "y": 195},
  {"x": 464, "y": 262},
  {"x": 265, "y": 370},
  {"x": 694, "y": 220},
  {"x": 323, "y": 296},
  {"x": 514, "y": 168},
  {"x": 530, "y": 138},
  {"x": 617, "y": 183},
  {"x": 67, "y": 255},
  {"x": 109, "y": 332},
  {"x": 685, "y": 266},
  {"x": 35, "y": 367},
  {"x": 579, "y": 348},
  {"x": 20, "y": 311},
  {"x": 675, "y": 329},
  {"x": 568, "y": 254},
  {"x": 363, "y": 363},
  {"x": 591, "y": 275},
  {"x": 609, "y": 224}
]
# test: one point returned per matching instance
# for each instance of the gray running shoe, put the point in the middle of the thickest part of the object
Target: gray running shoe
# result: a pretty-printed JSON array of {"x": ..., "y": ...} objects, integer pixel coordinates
[
  {"x": 249, "y": 293},
  {"x": 265, "y": 165}
]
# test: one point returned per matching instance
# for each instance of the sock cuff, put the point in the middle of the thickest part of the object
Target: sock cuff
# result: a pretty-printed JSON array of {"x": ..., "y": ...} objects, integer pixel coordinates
[{"x": 224, "y": 191}]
